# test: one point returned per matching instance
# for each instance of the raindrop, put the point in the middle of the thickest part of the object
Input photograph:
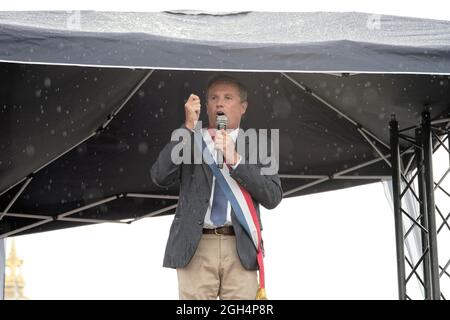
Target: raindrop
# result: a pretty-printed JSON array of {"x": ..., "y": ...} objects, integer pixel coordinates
[
  {"x": 143, "y": 147},
  {"x": 29, "y": 150},
  {"x": 47, "y": 82}
]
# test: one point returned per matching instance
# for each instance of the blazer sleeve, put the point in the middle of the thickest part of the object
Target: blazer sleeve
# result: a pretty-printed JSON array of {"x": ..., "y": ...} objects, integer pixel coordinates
[
  {"x": 164, "y": 171},
  {"x": 266, "y": 189}
]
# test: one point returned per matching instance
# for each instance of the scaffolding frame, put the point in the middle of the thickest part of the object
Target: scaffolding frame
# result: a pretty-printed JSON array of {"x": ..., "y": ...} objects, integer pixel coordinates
[{"x": 427, "y": 269}]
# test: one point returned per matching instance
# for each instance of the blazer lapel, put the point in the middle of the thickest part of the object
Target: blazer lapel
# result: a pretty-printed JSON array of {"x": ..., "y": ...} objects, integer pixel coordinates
[{"x": 208, "y": 174}]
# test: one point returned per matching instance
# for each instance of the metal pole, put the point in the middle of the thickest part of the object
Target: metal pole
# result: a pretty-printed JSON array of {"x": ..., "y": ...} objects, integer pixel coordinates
[
  {"x": 429, "y": 189},
  {"x": 396, "y": 191},
  {"x": 424, "y": 217}
]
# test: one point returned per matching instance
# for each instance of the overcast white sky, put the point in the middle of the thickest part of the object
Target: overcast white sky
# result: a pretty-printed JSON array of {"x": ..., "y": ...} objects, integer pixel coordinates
[{"x": 334, "y": 245}]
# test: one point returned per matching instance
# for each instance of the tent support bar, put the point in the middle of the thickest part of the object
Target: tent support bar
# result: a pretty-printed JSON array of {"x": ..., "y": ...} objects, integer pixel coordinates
[
  {"x": 12, "y": 186},
  {"x": 362, "y": 178},
  {"x": 151, "y": 196},
  {"x": 299, "y": 176},
  {"x": 155, "y": 213},
  {"x": 339, "y": 174},
  {"x": 28, "y": 227},
  {"x": 315, "y": 95},
  {"x": 28, "y": 216},
  {"x": 362, "y": 165},
  {"x": 42, "y": 217},
  {"x": 307, "y": 90},
  {"x": 294, "y": 176},
  {"x": 11, "y": 203},
  {"x": 115, "y": 112},
  {"x": 94, "y": 204},
  {"x": 308, "y": 185},
  {"x": 334, "y": 176},
  {"x": 375, "y": 147},
  {"x": 440, "y": 121},
  {"x": 64, "y": 216},
  {"x": 87, "y": 220}
]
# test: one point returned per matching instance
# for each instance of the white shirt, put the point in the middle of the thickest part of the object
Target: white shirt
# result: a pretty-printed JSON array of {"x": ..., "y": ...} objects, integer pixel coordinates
[{"x": 210, "y": 144}]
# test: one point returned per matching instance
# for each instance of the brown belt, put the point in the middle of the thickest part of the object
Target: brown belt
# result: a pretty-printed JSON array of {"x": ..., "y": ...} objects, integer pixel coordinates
[{"x": 227, "y": 231}]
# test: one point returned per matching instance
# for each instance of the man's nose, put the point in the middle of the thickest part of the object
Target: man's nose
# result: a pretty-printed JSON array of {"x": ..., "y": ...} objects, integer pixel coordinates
[{"x": 220, "y": 101}]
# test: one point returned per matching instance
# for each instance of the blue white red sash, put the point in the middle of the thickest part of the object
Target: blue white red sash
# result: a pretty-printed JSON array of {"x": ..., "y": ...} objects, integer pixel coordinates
[{"x": 239, "y": 198}]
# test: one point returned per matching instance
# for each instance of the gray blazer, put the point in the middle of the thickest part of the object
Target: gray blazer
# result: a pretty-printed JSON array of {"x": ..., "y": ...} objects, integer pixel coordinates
[{"x": 195, "y": 192}]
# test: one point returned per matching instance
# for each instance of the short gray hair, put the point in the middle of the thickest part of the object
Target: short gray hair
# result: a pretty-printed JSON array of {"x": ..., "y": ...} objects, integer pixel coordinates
[{"x": 228, "y": 79}]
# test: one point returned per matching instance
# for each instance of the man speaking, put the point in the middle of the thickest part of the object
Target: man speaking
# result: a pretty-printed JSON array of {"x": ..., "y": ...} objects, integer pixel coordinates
[{"x": 215, "y": 238}]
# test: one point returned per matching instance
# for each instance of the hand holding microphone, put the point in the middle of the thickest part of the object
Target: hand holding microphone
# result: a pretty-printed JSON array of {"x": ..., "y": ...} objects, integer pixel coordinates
[
  {"x": 224, "y": 143},
  {"x": 221, "y": 121}
]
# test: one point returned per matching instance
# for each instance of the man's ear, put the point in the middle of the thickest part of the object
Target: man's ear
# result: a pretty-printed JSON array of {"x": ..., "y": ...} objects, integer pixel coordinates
[{"x": 244, "y": 106}]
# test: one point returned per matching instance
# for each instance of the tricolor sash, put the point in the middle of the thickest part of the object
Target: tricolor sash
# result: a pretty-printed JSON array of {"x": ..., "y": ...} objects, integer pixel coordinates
[{"x": 241, "y": 202}]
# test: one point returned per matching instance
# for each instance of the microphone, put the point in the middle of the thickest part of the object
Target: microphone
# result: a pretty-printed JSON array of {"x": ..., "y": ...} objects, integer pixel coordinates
[{"x": 221, "y": 121}]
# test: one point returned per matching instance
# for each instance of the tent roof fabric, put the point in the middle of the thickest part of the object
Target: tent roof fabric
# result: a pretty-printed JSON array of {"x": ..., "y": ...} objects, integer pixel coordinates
[{"x": 245, "y": 41}]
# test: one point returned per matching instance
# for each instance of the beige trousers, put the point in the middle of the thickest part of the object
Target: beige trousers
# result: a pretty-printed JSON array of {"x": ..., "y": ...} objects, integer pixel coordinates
[{"x": 216, "y": 271}]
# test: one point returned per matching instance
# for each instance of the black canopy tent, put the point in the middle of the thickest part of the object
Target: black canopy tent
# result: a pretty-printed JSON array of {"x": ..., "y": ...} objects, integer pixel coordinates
[{"x": 87, "y": 106}]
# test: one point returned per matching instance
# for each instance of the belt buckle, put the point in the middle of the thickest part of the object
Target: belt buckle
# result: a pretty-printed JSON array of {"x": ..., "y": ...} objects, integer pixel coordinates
[{"x": 216, "y": 233}]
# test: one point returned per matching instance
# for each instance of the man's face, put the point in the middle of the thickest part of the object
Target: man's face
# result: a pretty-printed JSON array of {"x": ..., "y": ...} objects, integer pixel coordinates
[{"x": 224, "y": 97}]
